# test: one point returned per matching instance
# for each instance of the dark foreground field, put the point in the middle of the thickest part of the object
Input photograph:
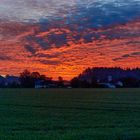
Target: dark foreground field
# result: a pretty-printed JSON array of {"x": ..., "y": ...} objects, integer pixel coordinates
[{"x": 70, "y": 114}]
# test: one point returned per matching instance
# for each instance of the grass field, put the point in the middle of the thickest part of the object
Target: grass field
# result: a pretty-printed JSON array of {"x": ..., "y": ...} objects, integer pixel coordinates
[{"x": 70, "y": 114}]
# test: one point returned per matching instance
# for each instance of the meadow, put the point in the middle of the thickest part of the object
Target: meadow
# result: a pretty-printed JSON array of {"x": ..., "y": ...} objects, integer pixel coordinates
[{"x": 69, "y": 114}]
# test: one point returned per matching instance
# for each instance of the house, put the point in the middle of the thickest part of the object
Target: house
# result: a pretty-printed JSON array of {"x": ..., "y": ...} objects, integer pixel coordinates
[
  {"x": 40, "y": 84},
  {"x": 11, "y": 80},
  {"x": 106, "y": 85}
]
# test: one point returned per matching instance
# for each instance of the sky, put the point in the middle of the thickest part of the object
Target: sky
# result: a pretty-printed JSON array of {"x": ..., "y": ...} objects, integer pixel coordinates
[{"x": 62, "y": 38}]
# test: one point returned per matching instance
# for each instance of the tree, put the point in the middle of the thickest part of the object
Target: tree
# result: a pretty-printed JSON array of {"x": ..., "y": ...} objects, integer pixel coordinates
[
  {"x": 35, "y": 75},
  {"x": 94, "y": 82},
  {"x": 60, "y": 81},
  {"x": 75, "y": 83},
  {"x": 26, "y": 79},
  {"x": 84, "y": 84},
  {"x": 130, "y": 82}
]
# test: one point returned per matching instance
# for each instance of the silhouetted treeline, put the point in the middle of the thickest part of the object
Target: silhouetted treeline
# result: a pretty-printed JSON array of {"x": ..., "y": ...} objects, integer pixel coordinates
[
  {"x": 89, "y": 78},
  {"x": 36, "y": 80},
  {"x": 107, "y": 77},
  {"x": 29, "y": 79}
]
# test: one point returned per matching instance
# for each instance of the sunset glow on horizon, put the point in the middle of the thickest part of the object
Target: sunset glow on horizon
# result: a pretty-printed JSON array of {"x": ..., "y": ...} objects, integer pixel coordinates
[{"x": 65, "y": 38}]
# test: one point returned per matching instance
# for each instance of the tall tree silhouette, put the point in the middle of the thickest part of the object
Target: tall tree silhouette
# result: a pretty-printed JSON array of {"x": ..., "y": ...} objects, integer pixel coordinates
[
  {"x": 26, "y": 79},
  {"x": 60, "y": 81}
]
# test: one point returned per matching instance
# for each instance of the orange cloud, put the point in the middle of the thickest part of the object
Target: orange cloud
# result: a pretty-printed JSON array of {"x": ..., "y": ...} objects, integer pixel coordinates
[{"x": 24, "y": 46}]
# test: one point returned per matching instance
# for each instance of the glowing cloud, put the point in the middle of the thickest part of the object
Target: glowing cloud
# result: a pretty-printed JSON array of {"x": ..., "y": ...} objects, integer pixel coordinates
[{"x": 60, "y": 37}]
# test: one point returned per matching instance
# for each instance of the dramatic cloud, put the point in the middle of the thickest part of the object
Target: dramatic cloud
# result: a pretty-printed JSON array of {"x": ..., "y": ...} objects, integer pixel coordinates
[{"x": 62, "y": 37}]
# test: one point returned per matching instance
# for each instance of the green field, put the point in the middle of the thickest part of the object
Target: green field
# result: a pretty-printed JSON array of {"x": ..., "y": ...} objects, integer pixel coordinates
[{"x": 70, "y": 114}]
